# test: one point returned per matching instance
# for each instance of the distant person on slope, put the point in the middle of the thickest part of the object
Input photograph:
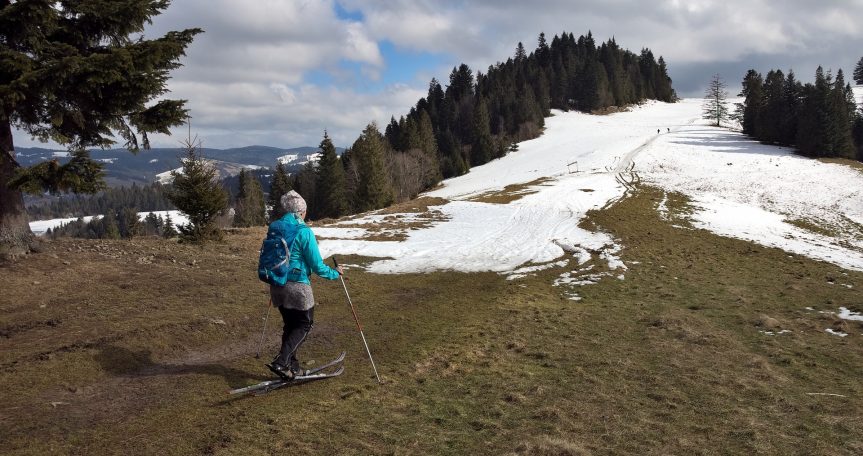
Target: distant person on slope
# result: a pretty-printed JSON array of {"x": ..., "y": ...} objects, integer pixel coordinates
[{"x": 295, "y": 300}]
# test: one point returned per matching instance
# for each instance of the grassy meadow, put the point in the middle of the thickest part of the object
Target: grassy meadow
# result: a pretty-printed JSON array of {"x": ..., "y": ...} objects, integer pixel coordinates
[{"x": 129, "y": 347}]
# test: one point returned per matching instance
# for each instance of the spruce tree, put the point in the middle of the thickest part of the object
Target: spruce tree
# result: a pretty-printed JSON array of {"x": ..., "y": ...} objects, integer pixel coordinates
[
  {"x": 748, "y": 112},
  {"x": 152, "y": 224},
  {"x": 169, "y": 230},
  {"x": 814, "y": 128},
  {"x": 373, "y": 188},
  {"x": 332, "y": 200},
  {"x": 842, "y": 114},
  {"x": 197, "y": 192},
  {"x": 714, "y": 107},
  {"x": 109, "y": 226},
  {"x": 481, "y": 148},
  {"x": 305, "y": 183},
  {"x": 520, "y": 54},
  {"x": 858, "y": 72},
  {"x": 772, "y": 113},
  {"x": 130, "y": 224},
  {"x": 279, "y": 185},
  {"x": 78, "y": 72},
  {"x": 410, "y": 134},
  {"x": 428, "y": 145},
  {"x": 249, "y": 209},
  {"x": 792, "y": 90},
  {"x": 452, "y": 163}
]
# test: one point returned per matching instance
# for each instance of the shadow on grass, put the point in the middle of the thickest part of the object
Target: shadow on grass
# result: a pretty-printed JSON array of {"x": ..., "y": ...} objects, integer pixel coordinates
[{"x": 120, "y": 361}]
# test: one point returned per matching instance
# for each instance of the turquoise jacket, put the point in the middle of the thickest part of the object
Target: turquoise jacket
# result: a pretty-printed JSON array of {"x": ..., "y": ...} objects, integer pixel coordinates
[{"x": 305, "y": 257}]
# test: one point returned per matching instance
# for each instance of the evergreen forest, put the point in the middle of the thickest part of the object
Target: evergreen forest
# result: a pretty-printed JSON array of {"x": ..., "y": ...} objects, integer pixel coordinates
[
  {"x": 479, "y": 117},
  {"x": 819, "y": 119}
]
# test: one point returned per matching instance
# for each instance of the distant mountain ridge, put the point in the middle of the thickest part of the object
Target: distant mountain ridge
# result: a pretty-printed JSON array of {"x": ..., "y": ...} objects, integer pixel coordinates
[{"x": 123, "y": 167}]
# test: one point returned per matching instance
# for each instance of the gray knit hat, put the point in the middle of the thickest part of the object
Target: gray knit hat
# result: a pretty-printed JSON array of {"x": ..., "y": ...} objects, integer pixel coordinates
[{"x": 292, "y": 202}]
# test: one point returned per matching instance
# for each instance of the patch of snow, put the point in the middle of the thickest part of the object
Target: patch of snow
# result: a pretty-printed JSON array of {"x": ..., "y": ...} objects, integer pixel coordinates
[
  {"x": 846, "y": 314},
  {"x": 662, "y": 208},
  {"x": 755, "y": 199},
  {"x": 155, "y": 160},
  {"x": 340, "y": 233},
  {"x": 59, "y": 154},
  {"x": 177, "y": 217},
  {"x": 523, "y": 272},
  {"x": 836, "y": 333},
  {"x": 287, "y": 159},
  {"x": 167, "y": 177},
  {"x": 294, "y": 159},
  {"x": 107, "y": 160}
]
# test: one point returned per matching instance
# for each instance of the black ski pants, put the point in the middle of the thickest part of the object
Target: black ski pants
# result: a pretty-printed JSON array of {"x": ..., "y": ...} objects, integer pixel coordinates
[{"x": 298, "y": 323}]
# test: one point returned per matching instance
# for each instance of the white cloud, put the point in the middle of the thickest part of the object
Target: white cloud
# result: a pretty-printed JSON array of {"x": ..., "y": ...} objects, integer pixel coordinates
[
  {"x": 249, "y": 78},
  {"x": 288, "y": 116},
  {"x": 286, "y": 95}
]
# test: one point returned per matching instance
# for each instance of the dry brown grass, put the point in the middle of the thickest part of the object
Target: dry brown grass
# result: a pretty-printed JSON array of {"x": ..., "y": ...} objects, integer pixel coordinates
[
  {"x": 394, "y": 226},
  {"x": 510, "y": 193}
]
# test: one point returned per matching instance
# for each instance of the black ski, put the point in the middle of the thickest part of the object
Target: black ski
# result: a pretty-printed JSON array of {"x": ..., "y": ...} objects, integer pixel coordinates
[{"x": 310, "y": 375}]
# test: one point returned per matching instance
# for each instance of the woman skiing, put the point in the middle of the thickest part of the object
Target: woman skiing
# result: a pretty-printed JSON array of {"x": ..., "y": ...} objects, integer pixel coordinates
[{"x": 295, "y": 300}]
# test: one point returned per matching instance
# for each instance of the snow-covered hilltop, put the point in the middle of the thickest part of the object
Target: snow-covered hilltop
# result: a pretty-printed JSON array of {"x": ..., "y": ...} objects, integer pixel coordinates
[{"x": 739, "y": 188}]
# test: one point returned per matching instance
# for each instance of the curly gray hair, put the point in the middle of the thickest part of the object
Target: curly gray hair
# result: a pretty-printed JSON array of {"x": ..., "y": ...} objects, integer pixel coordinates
[{"x": 292, "y": 202}]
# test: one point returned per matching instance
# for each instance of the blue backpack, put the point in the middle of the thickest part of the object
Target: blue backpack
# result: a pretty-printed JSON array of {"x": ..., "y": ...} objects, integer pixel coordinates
[{"x": 275, "y": 254}]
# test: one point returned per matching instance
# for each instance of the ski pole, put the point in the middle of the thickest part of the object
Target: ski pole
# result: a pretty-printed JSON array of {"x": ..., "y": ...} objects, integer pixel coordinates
[
  {"x": 264, "y": 331},
  {"x": 357, "y": 319}
]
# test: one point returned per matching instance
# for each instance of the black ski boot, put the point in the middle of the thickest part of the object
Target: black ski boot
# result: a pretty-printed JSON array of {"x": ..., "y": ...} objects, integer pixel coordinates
[{"x": 281, "y": 370}]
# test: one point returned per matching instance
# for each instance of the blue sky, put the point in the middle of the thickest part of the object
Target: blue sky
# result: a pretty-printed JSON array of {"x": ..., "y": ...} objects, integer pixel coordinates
[
  {"x": 401, "y": 66},
  {"x": 280, "y": 72}
]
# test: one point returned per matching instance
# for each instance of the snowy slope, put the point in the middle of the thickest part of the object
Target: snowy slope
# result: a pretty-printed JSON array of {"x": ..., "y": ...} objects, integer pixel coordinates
[
  {"x": 740, "y": 189},
  {"x": 581, "y": 154},
  {"x": 589, "y": 143}
]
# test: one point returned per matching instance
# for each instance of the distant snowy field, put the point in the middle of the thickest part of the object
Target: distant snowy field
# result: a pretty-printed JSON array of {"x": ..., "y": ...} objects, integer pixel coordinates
[{"x": 40, "y": 227}]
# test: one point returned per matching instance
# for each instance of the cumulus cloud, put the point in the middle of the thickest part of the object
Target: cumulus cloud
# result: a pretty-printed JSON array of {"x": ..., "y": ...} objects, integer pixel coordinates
[
  {"x": 684, "y": 30},
  {"x": 285, "y": 116},
  {"x": 255, "y": 75}
]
